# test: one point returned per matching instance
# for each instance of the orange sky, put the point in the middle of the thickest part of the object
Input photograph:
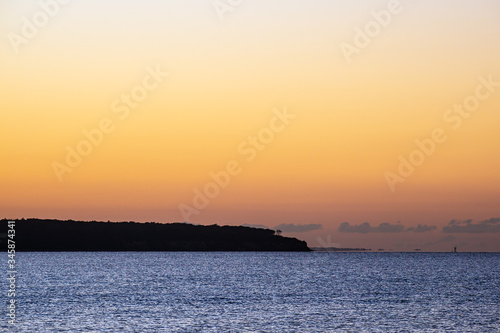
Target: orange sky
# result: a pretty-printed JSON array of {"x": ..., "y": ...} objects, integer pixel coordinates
[{"x": 304, "y": 131}]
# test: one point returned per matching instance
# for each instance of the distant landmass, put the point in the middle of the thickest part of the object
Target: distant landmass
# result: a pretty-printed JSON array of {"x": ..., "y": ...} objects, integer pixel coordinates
[{"x": 69, "y": 235}]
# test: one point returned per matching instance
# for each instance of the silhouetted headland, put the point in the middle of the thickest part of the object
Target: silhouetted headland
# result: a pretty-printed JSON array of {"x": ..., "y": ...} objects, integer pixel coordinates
[{"x": 69, "y": 235}]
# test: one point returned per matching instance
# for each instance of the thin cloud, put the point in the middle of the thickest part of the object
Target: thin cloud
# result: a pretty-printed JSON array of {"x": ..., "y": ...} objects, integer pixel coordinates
[
  {"x": 298, "y": 227},
  {"x": 366, "y": 227},
  {"x": 422, "y": 228},
  {"x": 467, "y": 226}
]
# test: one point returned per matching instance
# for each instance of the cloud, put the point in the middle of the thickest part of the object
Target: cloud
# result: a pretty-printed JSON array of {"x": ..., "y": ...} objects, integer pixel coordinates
[
  {"x": 467, "y": 226},
  {"x": 422, "y": 228},
  {"x": 365, "y": 228},
  {"x": 298, "y": 227}
]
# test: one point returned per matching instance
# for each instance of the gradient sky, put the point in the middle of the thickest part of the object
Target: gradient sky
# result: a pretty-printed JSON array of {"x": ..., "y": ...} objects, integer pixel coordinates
[{"x": 227, "y": 75}]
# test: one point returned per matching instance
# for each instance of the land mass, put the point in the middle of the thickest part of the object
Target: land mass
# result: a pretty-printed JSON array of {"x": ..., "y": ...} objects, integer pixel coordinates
[{"x": 69, "y": 235}]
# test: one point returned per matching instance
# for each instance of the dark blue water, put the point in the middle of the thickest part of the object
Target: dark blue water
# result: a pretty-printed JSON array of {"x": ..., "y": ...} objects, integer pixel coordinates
[{"x": 256, "y": 292}]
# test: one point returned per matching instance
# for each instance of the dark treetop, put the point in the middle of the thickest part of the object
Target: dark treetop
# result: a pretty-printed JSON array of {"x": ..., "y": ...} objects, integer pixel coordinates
[{"x": 57, "y": 235}]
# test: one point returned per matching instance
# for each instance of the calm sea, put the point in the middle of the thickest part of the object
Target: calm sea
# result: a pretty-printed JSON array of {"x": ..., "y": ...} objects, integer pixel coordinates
[{"x": 255, "y": 292}]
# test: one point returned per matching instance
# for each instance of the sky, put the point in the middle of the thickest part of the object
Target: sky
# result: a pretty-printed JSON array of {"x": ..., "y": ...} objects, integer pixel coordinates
[{"x": 368, "y": 124}]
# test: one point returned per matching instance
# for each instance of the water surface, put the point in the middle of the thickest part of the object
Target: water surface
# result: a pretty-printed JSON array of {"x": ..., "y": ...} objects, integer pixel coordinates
[{"x": 256, "y": 292}]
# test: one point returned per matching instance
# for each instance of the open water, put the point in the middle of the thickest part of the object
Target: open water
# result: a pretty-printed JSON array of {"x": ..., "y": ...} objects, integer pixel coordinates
[{"x": 254, "y": 292}]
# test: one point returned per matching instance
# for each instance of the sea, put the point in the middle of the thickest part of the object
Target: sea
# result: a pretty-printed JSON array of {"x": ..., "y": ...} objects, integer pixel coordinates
[{"x": 253, "y": 292}]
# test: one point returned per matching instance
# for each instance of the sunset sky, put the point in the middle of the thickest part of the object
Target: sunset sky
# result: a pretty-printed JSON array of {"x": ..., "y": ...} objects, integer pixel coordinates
[{"x": 309, "y": 114}]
